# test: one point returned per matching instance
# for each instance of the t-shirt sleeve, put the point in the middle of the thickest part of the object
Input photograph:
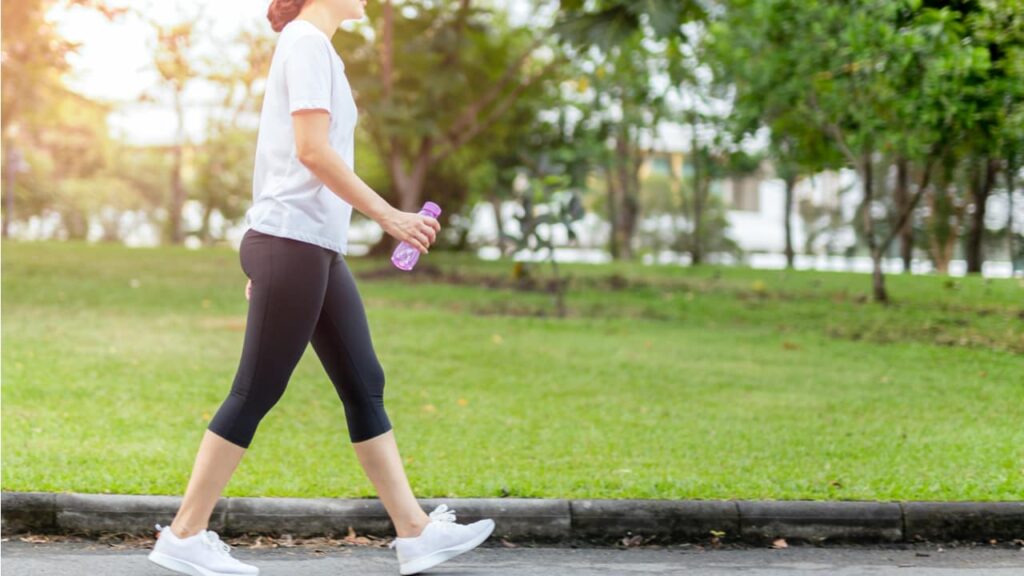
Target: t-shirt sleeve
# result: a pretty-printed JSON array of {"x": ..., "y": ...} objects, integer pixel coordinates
[{"x": 307, "y": 72}]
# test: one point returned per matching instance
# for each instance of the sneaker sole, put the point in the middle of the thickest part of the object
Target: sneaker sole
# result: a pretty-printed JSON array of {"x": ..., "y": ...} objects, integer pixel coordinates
[
  {"x": 184, "y": 567},
  {"x": 435, "y": 558}
]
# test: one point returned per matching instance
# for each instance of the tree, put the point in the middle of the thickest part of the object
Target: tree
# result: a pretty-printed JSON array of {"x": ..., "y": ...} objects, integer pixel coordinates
[
  {"x": 744, "y": 62},
  {"x": 62, "y": 135},
  {"x": 631, "y": 43},
  {"x": 174, "y": 59},
  {"x": 882, "y": 80},
  {"x": 997, "y": 99},
  {"x": 628, "y": 108},
  {"x": 225, "y": 161},
  {"x": 457, "y": 69},
  {"x": 549, "y": 201},
  {"x": 608, "y": 23}
]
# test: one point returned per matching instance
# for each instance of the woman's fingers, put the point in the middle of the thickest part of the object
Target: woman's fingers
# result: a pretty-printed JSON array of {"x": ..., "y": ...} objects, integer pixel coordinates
[
  {"x": 419, "y": 233},
  {"x": 414, "y": 239},
  {"x": 423, "y": 241},
  {"x": 432, "y": 226},
  {"x": 429, "y": 232}
]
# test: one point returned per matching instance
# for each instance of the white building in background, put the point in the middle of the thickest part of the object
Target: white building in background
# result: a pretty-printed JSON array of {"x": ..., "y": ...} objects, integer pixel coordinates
[{"x": 756, "y": 203}]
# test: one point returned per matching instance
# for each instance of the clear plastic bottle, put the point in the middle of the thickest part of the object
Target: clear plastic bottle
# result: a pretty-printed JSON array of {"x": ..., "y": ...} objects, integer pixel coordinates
[{"x": 406, "y": 255}]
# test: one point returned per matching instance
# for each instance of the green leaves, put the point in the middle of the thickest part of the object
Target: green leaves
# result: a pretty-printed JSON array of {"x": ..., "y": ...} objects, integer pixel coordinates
[
  {"x": 612, "y": 22},
  {"x": 881, "y": 75}
]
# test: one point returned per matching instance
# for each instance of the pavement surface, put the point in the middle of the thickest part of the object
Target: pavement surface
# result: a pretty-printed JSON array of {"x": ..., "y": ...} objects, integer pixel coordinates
[{"x": 20, "y": 558}]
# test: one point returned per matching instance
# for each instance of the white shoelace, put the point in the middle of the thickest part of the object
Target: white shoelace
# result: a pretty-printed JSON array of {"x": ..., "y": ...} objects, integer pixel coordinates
[
  {"x": 211, "y": 539},
  {"x": 443, "y": 514},
  {"x": 440, "y": 514}
]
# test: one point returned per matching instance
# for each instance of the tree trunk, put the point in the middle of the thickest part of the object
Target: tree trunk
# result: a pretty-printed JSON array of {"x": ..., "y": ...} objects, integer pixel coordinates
[
  {"x": 110, "y": 226},
  {"x": 906, "y": 234},
  {"x": 877, "y": 277},
  {"x": 204, "y": 226},
  {"x": 177, "y": 188},
  {"x": 384, "y": 247},
  {"x": 627, "y": 206},
  {"x": 408, "y": 186},
  {"x": 981, "y": 188},
  {"x": 409, "y": 183},
  {"x": 10, "y": 167},
  {"x": 697, "y": 250},
  {"x": 942, "y": 233},
  {"x": 613, "y": 210},
  {"x": 787, "y": 211},
  {"x": 1011, "y": 171}
]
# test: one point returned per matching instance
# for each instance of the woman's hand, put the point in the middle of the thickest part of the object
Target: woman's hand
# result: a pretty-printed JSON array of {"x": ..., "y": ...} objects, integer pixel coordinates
[
  {"x": 248, "y": 289},
  {"x": 417, "y": 230}
]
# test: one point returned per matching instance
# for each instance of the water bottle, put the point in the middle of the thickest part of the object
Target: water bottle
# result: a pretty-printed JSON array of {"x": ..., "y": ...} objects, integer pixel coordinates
[{"x": 406, "y": 255}]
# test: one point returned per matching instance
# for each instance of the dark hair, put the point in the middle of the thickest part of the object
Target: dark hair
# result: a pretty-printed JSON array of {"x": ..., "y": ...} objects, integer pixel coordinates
[{"x": 282, "y": 12}]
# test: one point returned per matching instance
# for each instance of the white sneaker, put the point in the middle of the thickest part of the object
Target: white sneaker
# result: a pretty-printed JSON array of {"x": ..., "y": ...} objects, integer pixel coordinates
[
  {"x": 440, "y": 540},
  {"x": 202, "y": 554}
]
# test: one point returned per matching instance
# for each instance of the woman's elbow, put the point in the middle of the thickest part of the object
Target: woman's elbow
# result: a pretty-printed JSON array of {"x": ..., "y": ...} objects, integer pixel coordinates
[{"x": 310, "y": 156}]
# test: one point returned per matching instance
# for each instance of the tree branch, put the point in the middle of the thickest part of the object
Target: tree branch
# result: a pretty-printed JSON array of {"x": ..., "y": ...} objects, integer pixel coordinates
[
  {"x": 474, "y": 109},
  {"x": 909, "y": 208},
  {"x": 833, "y": 130},
  {"x": 454, "y": 141}
]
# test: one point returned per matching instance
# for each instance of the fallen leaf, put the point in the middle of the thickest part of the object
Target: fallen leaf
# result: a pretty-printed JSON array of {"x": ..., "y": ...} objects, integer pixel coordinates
[{"x": 631, "y": 541}]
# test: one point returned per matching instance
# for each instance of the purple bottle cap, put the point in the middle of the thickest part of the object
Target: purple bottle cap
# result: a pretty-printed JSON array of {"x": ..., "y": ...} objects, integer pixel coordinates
[{"x": 433, "y": 209}]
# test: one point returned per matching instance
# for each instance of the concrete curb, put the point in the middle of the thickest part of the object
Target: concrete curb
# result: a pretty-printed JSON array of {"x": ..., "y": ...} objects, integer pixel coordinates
[{"x": 539, "y": 520}]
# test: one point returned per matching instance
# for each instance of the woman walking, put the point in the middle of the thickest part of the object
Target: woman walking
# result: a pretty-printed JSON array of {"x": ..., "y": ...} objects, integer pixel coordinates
[{"x": 301, "y": 291}]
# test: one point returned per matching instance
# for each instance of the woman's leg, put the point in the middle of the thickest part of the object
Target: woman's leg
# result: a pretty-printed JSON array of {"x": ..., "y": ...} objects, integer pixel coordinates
[
  {"x": 343, "y": 344},
  {"x": 214, "y": 465},
  {"x": 289, "y": 279},
  {"x": 383, "y": 465}
]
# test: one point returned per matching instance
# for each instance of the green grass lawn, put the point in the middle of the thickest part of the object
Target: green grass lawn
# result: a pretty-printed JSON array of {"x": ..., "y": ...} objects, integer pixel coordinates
[{"x": 660, "y": 383}]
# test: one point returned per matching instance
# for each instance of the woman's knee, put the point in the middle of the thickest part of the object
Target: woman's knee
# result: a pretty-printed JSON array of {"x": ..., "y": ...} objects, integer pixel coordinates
[
  {"x": 374, "y": 379},
  {"x": 364, "y": 409},
  {"x": 240, "y": 415}
]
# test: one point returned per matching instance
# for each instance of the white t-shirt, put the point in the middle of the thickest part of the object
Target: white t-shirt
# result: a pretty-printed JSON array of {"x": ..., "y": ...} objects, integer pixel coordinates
[{"x": 288, "y": 199}]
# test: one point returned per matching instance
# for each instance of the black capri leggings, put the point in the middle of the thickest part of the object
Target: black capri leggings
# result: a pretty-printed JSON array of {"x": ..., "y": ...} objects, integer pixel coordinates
[{"x": 301, "y": 293}]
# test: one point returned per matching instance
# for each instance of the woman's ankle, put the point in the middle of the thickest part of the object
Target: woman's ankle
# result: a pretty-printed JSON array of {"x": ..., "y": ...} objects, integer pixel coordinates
[
  {"x": 413, "y": 528},
  {"x": 182, "y": 531}
]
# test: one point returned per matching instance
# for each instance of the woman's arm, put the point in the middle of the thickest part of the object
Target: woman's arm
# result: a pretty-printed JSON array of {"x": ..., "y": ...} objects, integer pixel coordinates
[{"x": 315, "y": 152}]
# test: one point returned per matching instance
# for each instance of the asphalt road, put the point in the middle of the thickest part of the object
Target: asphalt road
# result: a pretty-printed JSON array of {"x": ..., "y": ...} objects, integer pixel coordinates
[{"x": 18, "y": 558}]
